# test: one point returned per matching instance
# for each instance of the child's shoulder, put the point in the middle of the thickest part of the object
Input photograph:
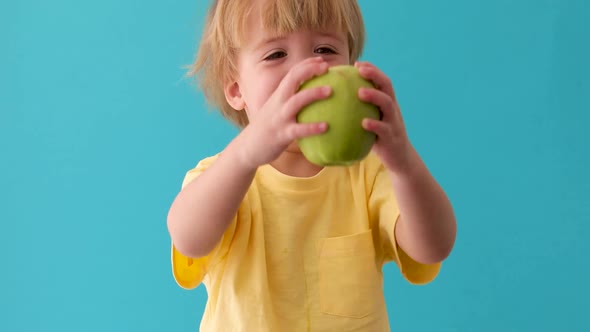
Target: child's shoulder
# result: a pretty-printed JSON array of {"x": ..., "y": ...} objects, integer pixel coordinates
[
  {"x": 203, "y": 164},
  {"x": 207, "y": 161},
  {"x": 200, "y": 167}
]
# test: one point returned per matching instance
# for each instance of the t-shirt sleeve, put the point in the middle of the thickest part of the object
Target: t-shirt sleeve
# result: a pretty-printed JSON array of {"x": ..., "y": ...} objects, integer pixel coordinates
[
  {"x": 189, "y": 272},
  {"x": 385, "y": 213}
]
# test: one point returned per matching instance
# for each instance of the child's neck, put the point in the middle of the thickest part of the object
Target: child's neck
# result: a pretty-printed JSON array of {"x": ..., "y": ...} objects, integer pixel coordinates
[{"x": 294, "y": 163}]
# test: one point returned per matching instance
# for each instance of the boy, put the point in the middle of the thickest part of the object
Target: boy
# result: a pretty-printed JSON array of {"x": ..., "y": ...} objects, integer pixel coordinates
[{"x": 282, "y": 244}]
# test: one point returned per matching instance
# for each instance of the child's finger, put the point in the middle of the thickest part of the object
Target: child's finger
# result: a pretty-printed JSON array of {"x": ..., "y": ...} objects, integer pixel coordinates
[
  {"x": 299, "y": 130},
  {"x": 378, "y": 127},
  {"x": 304, "y": 98},
  {"x": 300, "y": 73},
  {"x": 375, "y": 75},
  {"x": 379, "y": 99}
]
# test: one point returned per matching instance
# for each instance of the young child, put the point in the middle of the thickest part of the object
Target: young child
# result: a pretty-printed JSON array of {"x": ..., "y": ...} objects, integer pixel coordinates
[{"x": 282, "y": 244}]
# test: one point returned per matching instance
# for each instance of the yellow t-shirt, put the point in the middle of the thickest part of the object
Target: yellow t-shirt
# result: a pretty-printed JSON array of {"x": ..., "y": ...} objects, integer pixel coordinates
[{"x": 303, "y": 254}]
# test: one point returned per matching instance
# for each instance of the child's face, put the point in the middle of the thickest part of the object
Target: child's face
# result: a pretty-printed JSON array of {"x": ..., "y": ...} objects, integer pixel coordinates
[{"x": 263, "y": 61}]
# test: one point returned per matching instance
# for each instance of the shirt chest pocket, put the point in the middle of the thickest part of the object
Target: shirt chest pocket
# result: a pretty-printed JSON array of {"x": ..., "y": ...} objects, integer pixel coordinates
[{"x": 350, "y": 283}]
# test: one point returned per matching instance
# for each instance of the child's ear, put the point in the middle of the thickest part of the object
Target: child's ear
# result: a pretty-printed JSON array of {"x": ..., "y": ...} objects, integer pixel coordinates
[{"x": 233, "y": 95}]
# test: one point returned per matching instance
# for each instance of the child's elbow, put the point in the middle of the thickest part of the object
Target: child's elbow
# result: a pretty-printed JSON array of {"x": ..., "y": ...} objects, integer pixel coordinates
[
  {"x": 190, "y": 250},
  {"x": 186, "y": 243},
  {"x": 437, "y": 254},
  {"x": 433, "y": 253},
  {"x": 433, "y": 257}
]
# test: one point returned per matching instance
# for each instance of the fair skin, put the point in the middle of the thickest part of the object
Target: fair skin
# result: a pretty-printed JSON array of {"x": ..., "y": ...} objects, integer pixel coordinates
[{"x": 269, "y": 74}]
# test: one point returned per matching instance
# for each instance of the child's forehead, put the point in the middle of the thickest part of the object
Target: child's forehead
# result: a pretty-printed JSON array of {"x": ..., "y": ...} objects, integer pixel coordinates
[{"x": 267, "y": 19}]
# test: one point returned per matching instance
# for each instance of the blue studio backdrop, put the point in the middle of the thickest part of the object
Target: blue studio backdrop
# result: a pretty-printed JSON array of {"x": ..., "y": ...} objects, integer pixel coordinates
[{"x": 98, "y": 126}]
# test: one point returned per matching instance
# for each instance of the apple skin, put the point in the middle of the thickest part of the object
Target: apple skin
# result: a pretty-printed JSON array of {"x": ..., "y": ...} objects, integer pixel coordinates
[{"x": 345, "y": 142}]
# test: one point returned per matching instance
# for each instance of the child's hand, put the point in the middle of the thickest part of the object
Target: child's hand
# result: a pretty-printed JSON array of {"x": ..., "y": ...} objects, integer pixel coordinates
[
  {"x": 273, "y": 127},
  {"x": 392, "y": 146}
]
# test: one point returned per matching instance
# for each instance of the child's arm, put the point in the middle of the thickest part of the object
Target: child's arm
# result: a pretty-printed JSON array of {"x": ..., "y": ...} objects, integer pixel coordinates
[
  {"x": 203, "y": 210},
  {"x": 426, "y": 227}
]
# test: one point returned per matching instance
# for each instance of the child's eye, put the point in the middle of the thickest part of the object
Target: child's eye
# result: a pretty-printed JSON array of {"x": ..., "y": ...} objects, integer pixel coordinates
[
  {"x": 325, "y": 50},
  {"x": 276, "y": 55}
]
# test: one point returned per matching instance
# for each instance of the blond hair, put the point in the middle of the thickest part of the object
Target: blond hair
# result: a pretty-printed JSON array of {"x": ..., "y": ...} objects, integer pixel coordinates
[{"x": 215, "y": 62}]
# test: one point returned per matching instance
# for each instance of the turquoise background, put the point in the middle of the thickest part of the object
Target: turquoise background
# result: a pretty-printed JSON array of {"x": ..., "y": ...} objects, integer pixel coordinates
[{"x": 98, "y": 127}]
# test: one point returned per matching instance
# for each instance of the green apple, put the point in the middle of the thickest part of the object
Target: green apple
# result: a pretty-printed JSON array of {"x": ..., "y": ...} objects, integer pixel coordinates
[{"x": 346, "y": 141}]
